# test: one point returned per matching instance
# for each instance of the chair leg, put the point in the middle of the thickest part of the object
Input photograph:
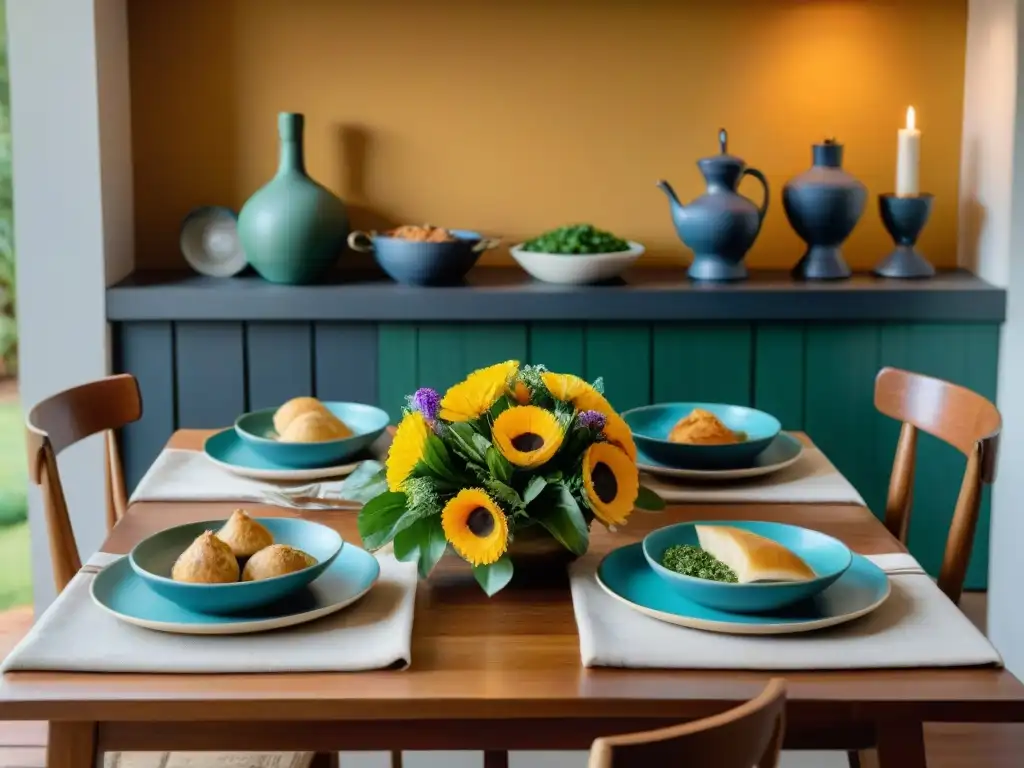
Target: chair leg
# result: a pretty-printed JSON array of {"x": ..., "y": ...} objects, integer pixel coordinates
[
  {"x": 495, "y": 759},
  {"x": 396, "y": 758}
]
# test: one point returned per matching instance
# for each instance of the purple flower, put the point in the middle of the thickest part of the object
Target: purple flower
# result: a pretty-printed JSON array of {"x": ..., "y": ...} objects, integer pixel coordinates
[
  {"x": 592, "y": 420},
  {"x": 427, "y": 402}
]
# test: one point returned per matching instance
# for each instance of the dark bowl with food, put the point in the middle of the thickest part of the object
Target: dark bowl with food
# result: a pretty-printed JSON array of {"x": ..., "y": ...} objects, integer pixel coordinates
[{"x": 423, "y": 262}]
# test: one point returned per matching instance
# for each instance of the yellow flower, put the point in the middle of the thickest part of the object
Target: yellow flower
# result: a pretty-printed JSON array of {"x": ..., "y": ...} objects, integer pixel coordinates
[
  {"x": 573, "y": 389},
  {"x": 406, "y": 449},
  {"x": 475, "y": 526},
  {"x": 527, "y": 435},
  {"x": 520, "y": 392},
  {"x": 611, "y": 481},
  {"x": 472, "y": 398}
]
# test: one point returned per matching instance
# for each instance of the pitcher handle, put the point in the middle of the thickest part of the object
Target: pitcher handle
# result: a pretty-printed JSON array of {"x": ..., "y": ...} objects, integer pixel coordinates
[
  {"x": 764, "y": 183},
  {"x": 486, "y": 244},
  {"x": 360, "y": 241}
]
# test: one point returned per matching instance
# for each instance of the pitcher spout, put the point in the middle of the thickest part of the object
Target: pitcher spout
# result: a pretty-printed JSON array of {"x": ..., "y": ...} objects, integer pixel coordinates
[{"x": 670, "y": 193}]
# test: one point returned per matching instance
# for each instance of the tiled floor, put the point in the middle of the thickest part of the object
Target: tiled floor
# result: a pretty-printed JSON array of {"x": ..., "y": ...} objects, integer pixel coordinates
[{"x": 22, "y": 745}]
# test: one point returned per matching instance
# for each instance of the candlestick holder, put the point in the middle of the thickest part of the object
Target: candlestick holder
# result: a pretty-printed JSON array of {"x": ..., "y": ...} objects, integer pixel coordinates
[{"x": 904, "y": 218}]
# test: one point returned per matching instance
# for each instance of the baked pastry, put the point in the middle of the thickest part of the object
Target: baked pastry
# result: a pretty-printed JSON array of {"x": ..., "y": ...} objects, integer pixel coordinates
[
  {"x": 208, "y": 560},
  {"x": 244, "y": 535},
  {"x": 315, "y": 427},
  {"x": 752, "y": 557},
  {"x": 703, "y": 428},
  {"x": 294, "y": 408},
  {"x": 276, "y": 560}
]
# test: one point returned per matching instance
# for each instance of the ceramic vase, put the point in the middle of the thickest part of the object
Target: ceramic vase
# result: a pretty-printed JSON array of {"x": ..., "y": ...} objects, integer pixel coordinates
[
  {"x": 292, "y": 229},
  {"x": 823, "y": 205}
]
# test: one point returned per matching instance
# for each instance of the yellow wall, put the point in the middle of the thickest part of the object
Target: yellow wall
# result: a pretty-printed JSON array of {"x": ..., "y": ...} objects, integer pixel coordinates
[{"x": 514, "y": 116}]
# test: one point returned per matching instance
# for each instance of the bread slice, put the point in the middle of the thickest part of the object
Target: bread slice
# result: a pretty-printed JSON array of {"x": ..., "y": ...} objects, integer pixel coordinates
[{"x": 752, "y": 557}]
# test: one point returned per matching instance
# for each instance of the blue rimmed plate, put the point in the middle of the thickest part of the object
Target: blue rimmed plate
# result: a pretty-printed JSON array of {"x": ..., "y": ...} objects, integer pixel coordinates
[
  {"x": 227, "y": 450},
  {"x": 651, "y": 425},
  {"x": 625, "y": 575},
  {"x": 784, "y": 451},
  {"x": 119, "y": 591}
]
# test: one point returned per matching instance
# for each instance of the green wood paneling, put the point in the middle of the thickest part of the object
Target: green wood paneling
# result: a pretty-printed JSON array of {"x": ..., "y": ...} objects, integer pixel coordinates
[
  {"x": 559, "y": 346},
  {"x": 839, "y": 413},
  {"x": 703, "y": 363},
  {"x": 815, "y": 377},
  {"x": 779, "y": 372},
  {"x": 621, "y": 355},
  {"x": 397, "y": 371}
]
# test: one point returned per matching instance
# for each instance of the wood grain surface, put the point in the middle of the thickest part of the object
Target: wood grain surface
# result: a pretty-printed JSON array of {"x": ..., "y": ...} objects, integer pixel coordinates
[{"x": 502, "y": 673}]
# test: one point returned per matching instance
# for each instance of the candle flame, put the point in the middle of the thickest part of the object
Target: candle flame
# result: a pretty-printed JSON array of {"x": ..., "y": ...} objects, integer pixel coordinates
[{"x": 911, "y": 118}]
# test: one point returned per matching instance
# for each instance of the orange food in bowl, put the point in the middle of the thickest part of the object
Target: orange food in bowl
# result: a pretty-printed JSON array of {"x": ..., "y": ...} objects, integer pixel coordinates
[
  {"x": 703, "y": 428},
  {"x": 422, "y": 234}
]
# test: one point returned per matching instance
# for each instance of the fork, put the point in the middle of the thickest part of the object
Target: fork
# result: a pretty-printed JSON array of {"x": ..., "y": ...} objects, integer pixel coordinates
[{"x": 312, "y": 496}]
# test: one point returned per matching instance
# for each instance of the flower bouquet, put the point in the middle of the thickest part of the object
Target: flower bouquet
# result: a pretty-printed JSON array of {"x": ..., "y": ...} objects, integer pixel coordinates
[{"x": 509, "y": 451}]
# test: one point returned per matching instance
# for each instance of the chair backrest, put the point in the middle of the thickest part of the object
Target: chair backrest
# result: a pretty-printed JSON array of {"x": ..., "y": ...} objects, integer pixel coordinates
[
  {"x": 957, "y": 416},
  {"x": 749, "y": 735},
  {"x": 60, "y": 421}
]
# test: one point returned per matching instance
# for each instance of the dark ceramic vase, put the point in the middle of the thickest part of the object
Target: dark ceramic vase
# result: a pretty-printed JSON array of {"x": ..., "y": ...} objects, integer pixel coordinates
[
  {"x": 292, "y": 229},
  {"x": 720, "y": 225},
  {"x": 823, "y": 205},
  {"x": 538, "y": 558}
]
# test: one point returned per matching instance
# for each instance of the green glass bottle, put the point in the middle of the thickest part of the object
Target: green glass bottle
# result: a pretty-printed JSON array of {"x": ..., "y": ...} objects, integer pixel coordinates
[{"x": 292, "y": 229}]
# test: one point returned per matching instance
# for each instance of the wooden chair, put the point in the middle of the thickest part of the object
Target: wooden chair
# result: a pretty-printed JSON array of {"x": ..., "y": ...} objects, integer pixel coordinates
[
  {"x": 964, "y": 420},
  {"x": 747, "y": 736},
  {"x": 63, "y": 420}
]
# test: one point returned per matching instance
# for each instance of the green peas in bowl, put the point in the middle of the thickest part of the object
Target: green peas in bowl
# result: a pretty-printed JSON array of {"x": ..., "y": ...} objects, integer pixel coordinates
[{"x": 576, "y": 254}]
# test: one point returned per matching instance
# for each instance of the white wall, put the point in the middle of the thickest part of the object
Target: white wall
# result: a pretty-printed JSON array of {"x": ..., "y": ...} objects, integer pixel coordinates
[
  {"x": 71, "y": 205},
  {"x": 993, "y": 198}
]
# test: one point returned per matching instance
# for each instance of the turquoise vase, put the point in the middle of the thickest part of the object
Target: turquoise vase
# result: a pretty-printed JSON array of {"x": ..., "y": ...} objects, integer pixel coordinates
[{"x": 292, "y": 229}]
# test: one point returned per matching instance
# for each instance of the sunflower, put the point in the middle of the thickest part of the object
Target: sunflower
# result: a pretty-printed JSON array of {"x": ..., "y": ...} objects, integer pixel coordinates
[
  {"x": 406, "y": 449},
  {"x": 611, "y": 482},
  {"x": 527, "y": 435},
  {"x": 473, "y": 397},
  {"x": 573, "y": 389},
  {"x": 475, "y": 526},
  {"x": 617, "y": 432}
]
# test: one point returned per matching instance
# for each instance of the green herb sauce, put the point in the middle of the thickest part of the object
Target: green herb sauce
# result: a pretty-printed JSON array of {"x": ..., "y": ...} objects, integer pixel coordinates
[{"x": 694, "y": 561}]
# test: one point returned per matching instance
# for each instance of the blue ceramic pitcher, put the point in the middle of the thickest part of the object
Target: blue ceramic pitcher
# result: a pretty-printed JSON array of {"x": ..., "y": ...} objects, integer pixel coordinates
[
  {"x": 292, "y": 229},
  {"x": 721, "y": 225}
]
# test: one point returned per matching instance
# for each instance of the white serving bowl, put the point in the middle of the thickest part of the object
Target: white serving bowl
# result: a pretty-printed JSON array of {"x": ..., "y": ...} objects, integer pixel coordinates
[{"x": 576, "y": 268}]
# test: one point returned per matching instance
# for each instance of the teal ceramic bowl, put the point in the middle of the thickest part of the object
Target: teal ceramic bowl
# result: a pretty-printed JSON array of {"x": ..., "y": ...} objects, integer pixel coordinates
[
  {"x": 153, "y": 558},
  {"x": 367, "y": 422},
  {"x": 827, "y": 557},
  {"x": 651, "y": 425}
]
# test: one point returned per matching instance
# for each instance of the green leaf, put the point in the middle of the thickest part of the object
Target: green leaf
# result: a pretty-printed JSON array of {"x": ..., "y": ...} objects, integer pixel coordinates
[
  {"x": 368, "y": 480},
  {"x": 503, "y": 404},
  {"x": 437, "y": 460},
  {"x": 506, "y": 494},
  {"x": 381, "y": 518},
  {"x": 533, "y": 488},
  {"x": 558, "y": 512},
  {"x": 499, "y": 466},
  {"x": 464, "y": 438},
  {"x": 482, "y": 444},
  {"x": 422, "y": 542},
  {"x": 494, "y": 577},
  {"x": 649, "y": 501}
]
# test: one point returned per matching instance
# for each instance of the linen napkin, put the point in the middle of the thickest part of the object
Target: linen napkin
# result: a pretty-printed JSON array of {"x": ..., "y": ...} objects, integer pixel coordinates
[
  {"x": 179, "y": 475},
  {"x": 811, "y": 479},
  {"x": 918, "y": 626},
  {"x": 76, "y": 635}
]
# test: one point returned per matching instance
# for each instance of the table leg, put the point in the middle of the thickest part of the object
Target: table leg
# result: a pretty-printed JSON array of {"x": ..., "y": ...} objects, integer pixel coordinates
[
  {"x": 901, "y": 745},
  {"x": 71, "y": 745},
  {"x": 325, "y": 760},
  {"x": 494, "y": 759}
]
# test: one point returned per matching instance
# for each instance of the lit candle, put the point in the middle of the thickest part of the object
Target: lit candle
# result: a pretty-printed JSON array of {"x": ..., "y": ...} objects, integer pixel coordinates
[{"x": 908, "y": 158}]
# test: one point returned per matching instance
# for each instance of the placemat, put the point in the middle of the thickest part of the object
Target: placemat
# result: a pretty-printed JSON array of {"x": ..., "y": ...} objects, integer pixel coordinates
[
  {"x": 918, "y": 626},
  {"x": 180, "y": 475},
  {"x": 812, "y": 479},
  {"x": 75, "y": 635}
]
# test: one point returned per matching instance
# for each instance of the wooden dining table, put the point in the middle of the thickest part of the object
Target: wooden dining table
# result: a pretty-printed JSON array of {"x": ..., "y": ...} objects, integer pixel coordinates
[{"x": 492, "y": 674}]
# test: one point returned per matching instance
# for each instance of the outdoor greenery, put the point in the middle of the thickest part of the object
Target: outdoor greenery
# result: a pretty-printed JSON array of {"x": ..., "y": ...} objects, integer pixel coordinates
[
  {"x": 8, "y": 328},
  {"x": 15, "y": 566}
]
